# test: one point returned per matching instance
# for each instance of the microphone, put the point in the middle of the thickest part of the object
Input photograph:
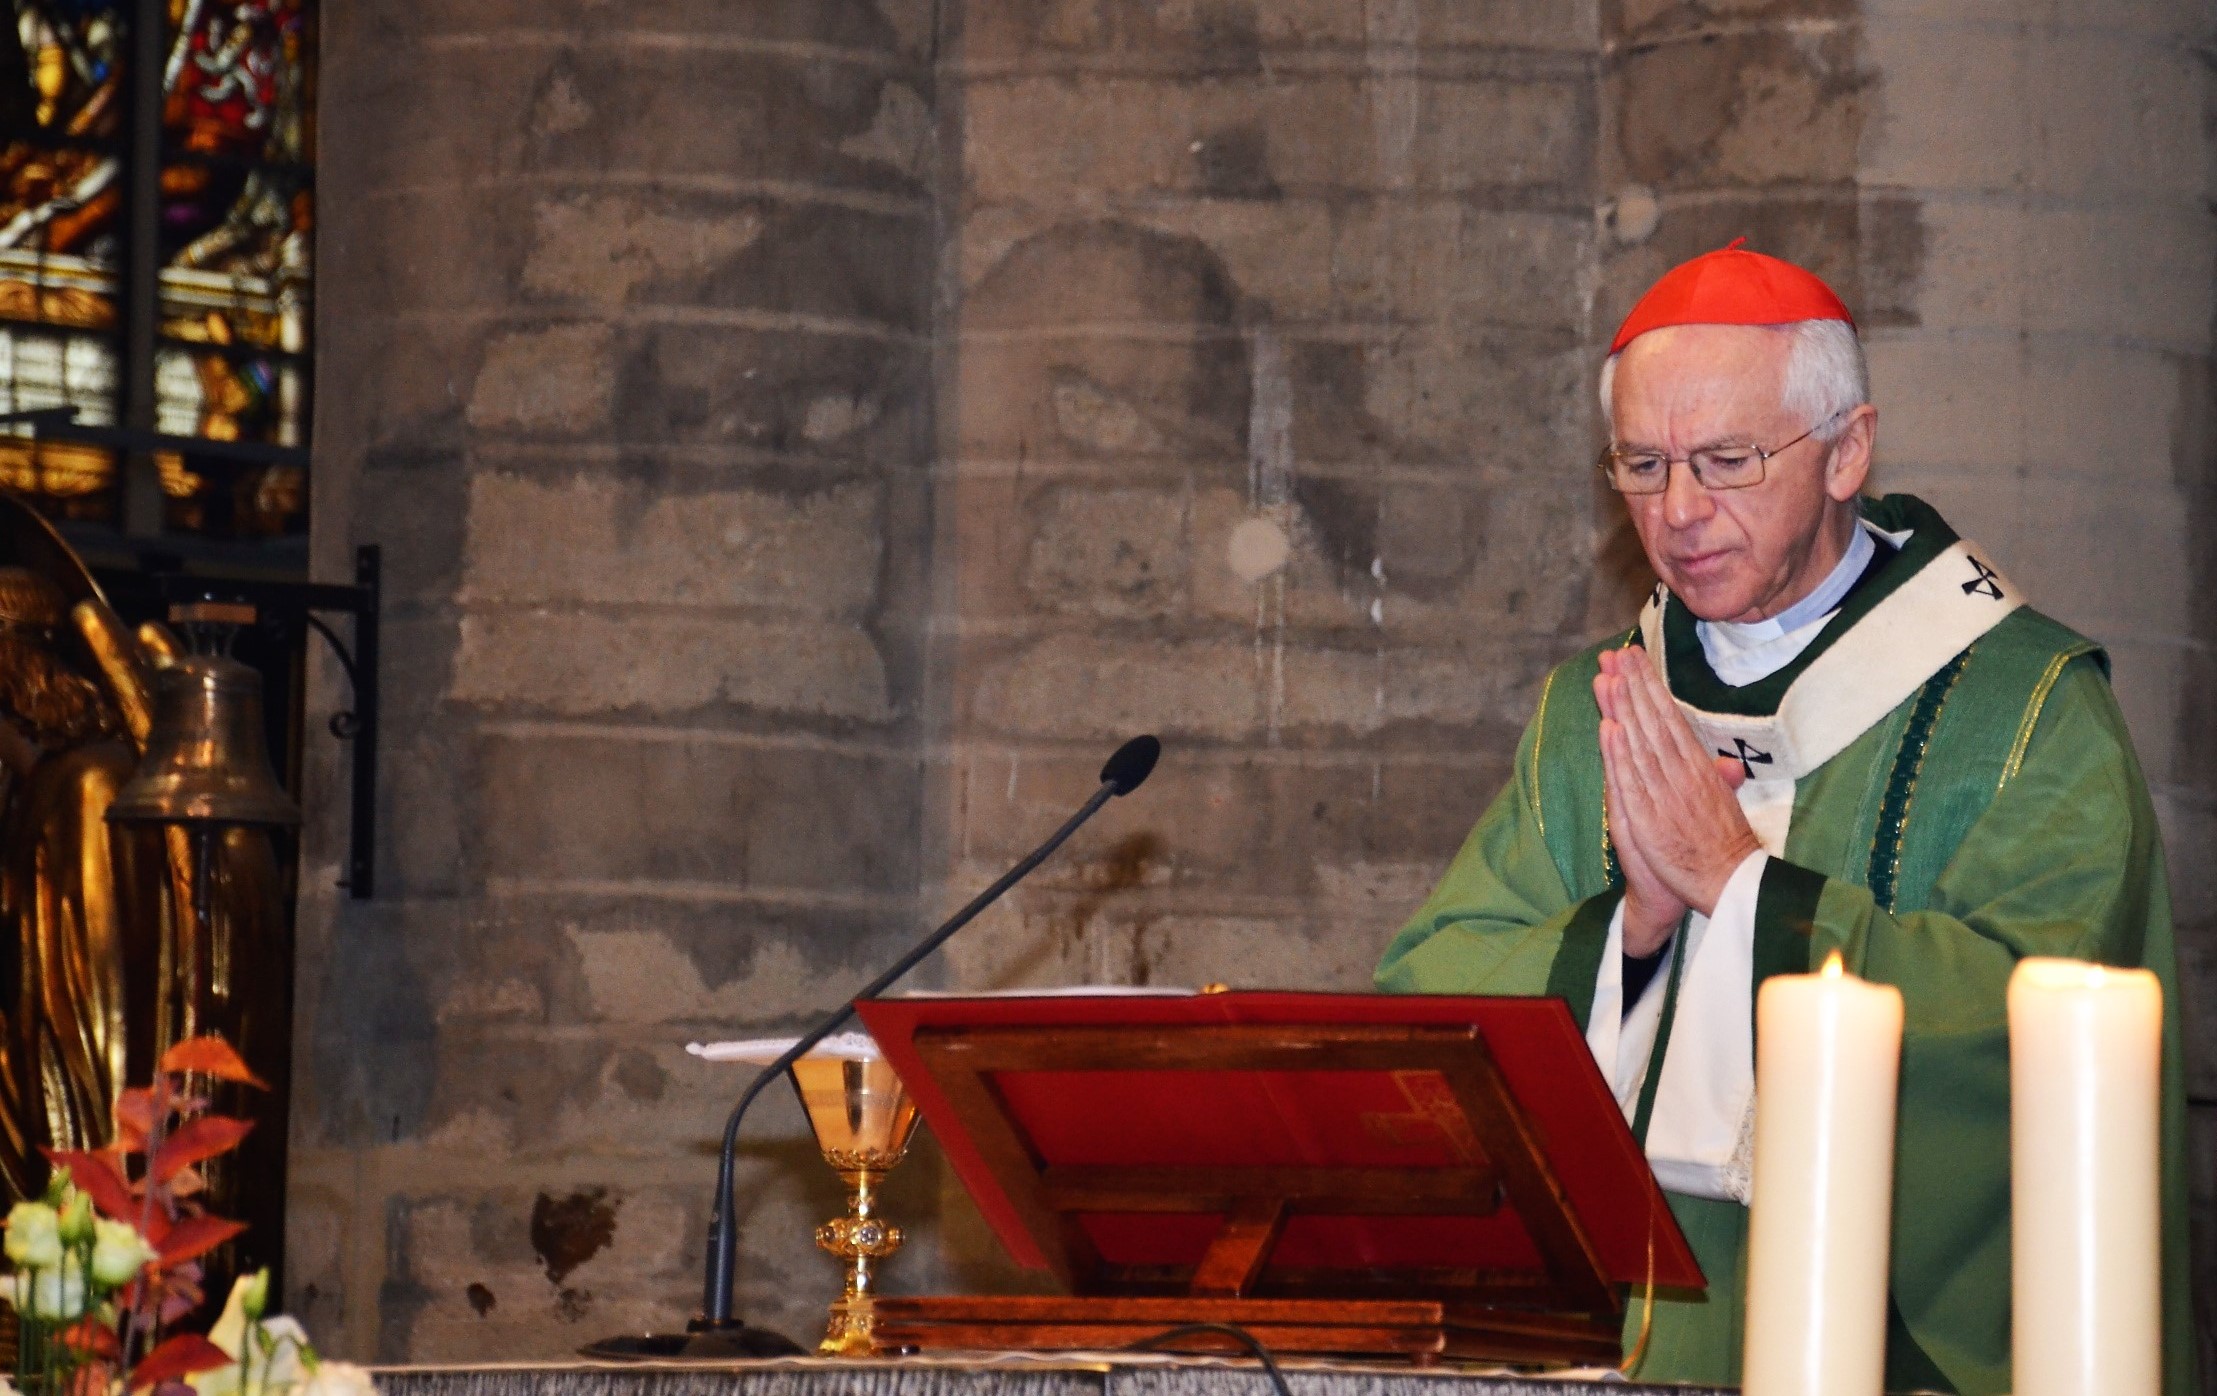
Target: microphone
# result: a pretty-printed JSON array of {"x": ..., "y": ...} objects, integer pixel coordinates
[{"x": 716, "y": 1333}]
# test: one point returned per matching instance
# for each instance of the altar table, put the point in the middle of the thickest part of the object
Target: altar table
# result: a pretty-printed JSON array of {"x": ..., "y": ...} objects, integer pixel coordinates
[{"x": 1047, "y": 1375}]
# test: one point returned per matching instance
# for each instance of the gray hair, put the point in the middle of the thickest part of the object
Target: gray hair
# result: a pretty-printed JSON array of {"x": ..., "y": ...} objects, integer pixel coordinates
[{"x": 1826, "y": 375}]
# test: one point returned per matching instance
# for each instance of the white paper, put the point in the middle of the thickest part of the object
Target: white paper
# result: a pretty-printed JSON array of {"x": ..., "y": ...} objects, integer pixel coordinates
[
  {"x": 1063, "y": 991},
  {"x": 761, "y": 1051}
]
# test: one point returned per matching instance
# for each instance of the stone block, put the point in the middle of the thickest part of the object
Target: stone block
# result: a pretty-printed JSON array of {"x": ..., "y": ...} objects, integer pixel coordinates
[
  {"x": 424, "y": 787},
  {"x": 1113, "y": 553},
  {"x": 833, "y": 391},
  {"x": 2190, "y": 838},
  {"x": 1417, "y": 560},
  {"x": 1276, "y": 252},
  {"x": 2069, "y": 554},
  {"x": 1170, "y": 399},
  {"x": 1562, "y": 25},
  {"x": 1214, "y": 828},
  {"x": 554, "y": 380},
  {"x": 1117, "y": 137},
  {"x": 1941, "y": 398},
  {"x": 602, "y": 247},
  {"x": 1203, "y": 39},
  {"x": 1095, "y": 273},
  {"x": 2149, "y": 678},
  {"x": 1419, "y": 261},
  {"x": 1408, "y": 563},
  {"x": 868, "y": 271},
  {"x": 2109, "y": 412},
  {"x": 365, "y": 1030},
  {"x": 2122, "y": 119},
  {"x": 586, "y": 539},
  {"x": 2153, "y": 19},
  {"x": 531, "y": 661},
  {"x": 635, "y": 107},
  {"x": 1921, "y": 134},
  {"x": 1040, "y": 949},
  {"x": 511, "y": 103},
  {"x": 380, "y": 258},
  {"x": 1649, "y": 21},
  {"x": 1746, "y": 107},
  {"x": 2201, "y": 1135},
  {"x": 2197, "y": 951},
  {"x": 408, "y": 381},
  {"x": 317, "y": 1214},
  {"x": 2139, "y": 274},
  {"x": 412, "y": 506},
  {"x": 1493, "y": 403},
  {"x": 623, "y": 969},
  {"x": 538, "y": 1272},
  {"x": 2073, "y": 114},
  {"x": 620, "y": 811},
  {"x": 848, "y": 30}
]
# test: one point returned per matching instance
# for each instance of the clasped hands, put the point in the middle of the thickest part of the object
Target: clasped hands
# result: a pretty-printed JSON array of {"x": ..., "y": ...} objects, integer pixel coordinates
[{"x": 1676, "y": 824}]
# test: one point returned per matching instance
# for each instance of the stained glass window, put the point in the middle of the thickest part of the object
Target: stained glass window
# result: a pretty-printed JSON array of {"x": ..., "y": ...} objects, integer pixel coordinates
[{"x": 200, "y": 381}]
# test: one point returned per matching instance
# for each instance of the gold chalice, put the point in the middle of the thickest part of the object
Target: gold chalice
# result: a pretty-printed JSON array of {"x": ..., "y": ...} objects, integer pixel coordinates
[{"x": 863, "y": 1119}]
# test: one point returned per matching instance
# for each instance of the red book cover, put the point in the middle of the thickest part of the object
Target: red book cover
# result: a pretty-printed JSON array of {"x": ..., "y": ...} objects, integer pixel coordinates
[{"x": 1399, "y": 1119}]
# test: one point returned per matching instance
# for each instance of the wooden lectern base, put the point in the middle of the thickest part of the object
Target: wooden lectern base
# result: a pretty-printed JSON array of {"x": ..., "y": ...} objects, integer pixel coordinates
[{"x": 1419, "y": 1330}]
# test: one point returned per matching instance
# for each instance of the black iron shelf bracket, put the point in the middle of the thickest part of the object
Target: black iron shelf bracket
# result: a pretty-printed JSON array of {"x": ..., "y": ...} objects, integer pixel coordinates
[{"x": 358, "y": 725}]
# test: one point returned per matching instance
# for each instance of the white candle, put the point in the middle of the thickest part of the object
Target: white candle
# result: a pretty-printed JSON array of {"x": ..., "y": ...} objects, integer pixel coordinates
[
  {"x": 1827, "y": 1061},
  {"x": 2085, "y": 1060}
]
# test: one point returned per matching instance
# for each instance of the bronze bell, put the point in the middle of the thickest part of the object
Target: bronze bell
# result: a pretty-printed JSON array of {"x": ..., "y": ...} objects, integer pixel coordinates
[{"x": 206, "y": 760}]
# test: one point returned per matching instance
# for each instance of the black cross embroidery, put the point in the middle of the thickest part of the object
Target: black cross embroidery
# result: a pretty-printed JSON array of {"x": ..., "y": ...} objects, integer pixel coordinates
[
  {"x": 1748, "y": 757},
  {"x": 1986, "y": 583}
]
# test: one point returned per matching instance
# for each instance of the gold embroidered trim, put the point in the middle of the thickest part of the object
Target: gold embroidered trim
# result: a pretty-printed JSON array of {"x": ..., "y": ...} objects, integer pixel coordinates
[
  {"x": 2040, "y": 692},
  {"x": 1539, "y": 734}
]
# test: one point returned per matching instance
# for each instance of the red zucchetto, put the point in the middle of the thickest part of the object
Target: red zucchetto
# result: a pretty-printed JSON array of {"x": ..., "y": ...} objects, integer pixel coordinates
[{"x": 1731, "y": 286}]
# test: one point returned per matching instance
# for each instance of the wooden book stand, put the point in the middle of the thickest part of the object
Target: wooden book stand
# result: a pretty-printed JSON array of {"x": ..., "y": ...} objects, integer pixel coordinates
[{"x": 1308, "y": 1294}]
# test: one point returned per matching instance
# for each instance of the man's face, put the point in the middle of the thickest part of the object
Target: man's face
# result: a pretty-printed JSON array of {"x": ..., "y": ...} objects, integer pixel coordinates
[{"x": 1731, "y": 555}]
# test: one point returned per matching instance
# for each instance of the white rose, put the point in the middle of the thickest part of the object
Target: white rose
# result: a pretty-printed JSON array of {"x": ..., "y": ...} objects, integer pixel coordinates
[
  {"x": 339, "y": 1379},
  {"x": 280, "y": 1344},
  {"x": 118, "y": 1253},
  {"x": 34, "y": 1236},
  {"x": 223, "y": 1381},
  {"x": 52, "y": 1296}
]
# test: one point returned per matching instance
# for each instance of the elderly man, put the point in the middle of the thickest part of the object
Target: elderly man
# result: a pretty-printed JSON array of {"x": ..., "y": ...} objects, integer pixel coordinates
[{"x": 1837, "y": 727}]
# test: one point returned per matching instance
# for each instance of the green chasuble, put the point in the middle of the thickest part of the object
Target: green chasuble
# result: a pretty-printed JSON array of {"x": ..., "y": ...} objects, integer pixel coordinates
[{"x": 1963, "y": 794}]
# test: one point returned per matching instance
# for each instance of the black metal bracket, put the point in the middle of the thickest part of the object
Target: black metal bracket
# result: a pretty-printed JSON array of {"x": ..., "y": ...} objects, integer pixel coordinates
[{"x": 283, "y": 603}]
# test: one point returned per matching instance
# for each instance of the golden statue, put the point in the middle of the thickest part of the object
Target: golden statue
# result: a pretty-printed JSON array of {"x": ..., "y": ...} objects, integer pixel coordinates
[{"x": 103, "y": 963}]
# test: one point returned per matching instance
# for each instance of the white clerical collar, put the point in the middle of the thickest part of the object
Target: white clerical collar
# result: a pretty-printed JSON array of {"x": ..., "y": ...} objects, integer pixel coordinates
[{"x": 1742, "y": 652}]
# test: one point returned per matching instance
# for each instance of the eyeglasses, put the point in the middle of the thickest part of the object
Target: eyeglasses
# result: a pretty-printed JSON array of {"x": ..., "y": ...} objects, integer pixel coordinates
[{"x": 1714, "y": 467}]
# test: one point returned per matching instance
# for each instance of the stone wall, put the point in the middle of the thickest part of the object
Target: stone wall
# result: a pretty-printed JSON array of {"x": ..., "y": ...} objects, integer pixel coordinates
[
  {"x": 627, "y": 328},
  {"x": 808, "y": 435}
]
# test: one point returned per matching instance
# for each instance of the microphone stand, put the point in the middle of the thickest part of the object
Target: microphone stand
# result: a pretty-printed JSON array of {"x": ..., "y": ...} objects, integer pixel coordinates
[{"x": 716, "y": 1333}]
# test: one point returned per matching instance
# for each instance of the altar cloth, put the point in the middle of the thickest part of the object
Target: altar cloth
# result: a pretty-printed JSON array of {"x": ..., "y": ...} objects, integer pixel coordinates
[{"x": 998, "y": 1374}]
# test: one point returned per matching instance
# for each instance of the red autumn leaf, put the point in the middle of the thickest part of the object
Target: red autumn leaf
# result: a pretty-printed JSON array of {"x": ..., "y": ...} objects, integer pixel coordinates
[
  {"x": 99, "y": 1179},
  {"x": 211, "y": 1056},
  {"x": 91, "y": 1337},
  {"x": 178, "y": 1356},
  {"x": 136, "y": 1112},
  {"x": 195, "y": 1140},
  {"x": 195, "y": 1236}
]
